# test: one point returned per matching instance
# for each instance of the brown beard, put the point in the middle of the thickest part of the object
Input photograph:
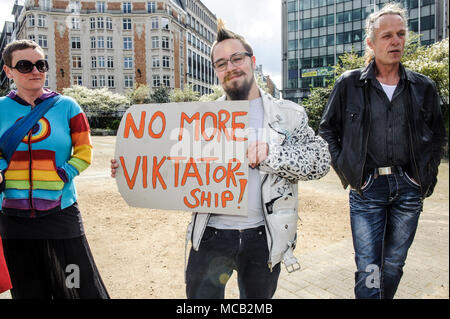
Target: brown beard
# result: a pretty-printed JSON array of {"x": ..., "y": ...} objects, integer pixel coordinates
[{"x": 236, "y": 93}]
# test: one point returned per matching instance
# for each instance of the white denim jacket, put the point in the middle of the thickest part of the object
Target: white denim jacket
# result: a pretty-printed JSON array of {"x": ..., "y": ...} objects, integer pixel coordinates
[{"x": 295, "y": 154}]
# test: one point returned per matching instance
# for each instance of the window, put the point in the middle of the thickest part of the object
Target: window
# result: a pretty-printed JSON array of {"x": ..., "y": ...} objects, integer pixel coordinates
[
  {"x": 45, "y": 4},
  {"x": 109, "y": 42},
  {"x": 93, "y": 43},
  {"x": 357, "y": 35},
  {"x": 292, "y": 45},
  {"x": 128, "y": 81},
  {"x": 93, "y": 62},
  {"x": 32, "y": 37},
  {"x": 31, "y": 21},
  {"x": 92, "y": 23},
  {"x": 100, "y": 23},
  {"x": 413, "y": 25},
  {"x": 151, "y": 7},
  {"x": 101, "y": 61},
  {"x": 166, "y": 61},
  {"x": 426, "y": 23},
  {"x": 127, "y": 44},
  {"x": 75, "y": 23},
  {"x": 110, "y": 81},
  {"x": 166, "y": 80},
  {"x": 127, "y": 24},
  {"x": 100, "y": 6},
  {"x": 127, "y": 62},
  {"x": 165, "y": 42},
  {"x": 94, "y": 81},
  {"x": 42, "y": 21},
  {"x": 306, "y": 43},
  {"x": 155, "y": 61},
  {"x": 156, "y": 81},
  {"x": 74, "y": 6},
  {"x": 42, "y": 41},
  {"x": 165, "y": 23},
  {"x": 292, "y": 6},
  {"x": 110, "y": 62},
  {"x": 109, "y": 23},
  {"x": 101, "y": 81},
  {"x": 155, "y": 42},
  {"x": 76, "y": 62},
  {"x": 101, "y": 42},
  {"x": 77, "y": 80},
  {"x": 292, "y": 25},
  {"x": 155, "y": 23},
  {"x": 126, "y": 7}
]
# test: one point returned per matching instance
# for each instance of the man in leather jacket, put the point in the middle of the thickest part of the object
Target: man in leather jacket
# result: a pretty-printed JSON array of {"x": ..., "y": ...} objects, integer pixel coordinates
[{"x": 386, "y": 135}]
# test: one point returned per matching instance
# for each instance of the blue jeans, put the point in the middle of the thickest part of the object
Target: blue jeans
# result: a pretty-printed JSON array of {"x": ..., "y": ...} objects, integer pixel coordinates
[
  {"x": 383, "y": 222},
  {"x": 221, "y": 252}
]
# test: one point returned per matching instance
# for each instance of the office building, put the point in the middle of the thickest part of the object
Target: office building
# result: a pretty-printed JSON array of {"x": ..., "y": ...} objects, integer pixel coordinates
[
  {"x": 201, "y": 28},
  {"x": 5, "y": 38},
  {"x": 120, "y": 43},
  {"x": 316, "y": 32}
]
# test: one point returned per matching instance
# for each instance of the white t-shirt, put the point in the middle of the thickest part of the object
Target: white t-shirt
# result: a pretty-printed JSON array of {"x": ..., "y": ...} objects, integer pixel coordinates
[
  {"x": 389, "y": 90},
  {"x": 255, "y": 216}
]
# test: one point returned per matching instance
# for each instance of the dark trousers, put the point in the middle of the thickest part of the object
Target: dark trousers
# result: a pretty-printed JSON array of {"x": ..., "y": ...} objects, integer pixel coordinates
[
  {"x": 221, "y": 252},
  {"x": 53, "y": 269},
  {"x": 383, "y": 224}
]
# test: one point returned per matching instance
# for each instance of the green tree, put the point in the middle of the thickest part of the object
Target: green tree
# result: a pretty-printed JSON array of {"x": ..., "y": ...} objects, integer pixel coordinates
[
  {"x": 186, "y": 95},
  {"x": 160, "y": 95},
  {"x": 262, "y": 84},
  {"x": 217, "y": 92},
  {"x": 433, "y": 61}
]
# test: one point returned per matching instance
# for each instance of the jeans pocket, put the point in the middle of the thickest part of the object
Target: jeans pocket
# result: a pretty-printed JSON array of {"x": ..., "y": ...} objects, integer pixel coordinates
[
  {"x": 209, "y": 234},
  {"x": 368, "y": 183},
  {"x": 410, "y": 181}
]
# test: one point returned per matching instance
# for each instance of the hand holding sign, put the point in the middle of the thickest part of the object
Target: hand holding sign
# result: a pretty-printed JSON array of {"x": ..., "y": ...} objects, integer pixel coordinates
[
  {"x": 184, "y": 156},
  {"x": 256, "y": 153}
]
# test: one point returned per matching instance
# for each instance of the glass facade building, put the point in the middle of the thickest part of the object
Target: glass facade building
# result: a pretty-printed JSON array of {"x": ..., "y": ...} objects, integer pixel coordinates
[{"x": 316, "y": 32}]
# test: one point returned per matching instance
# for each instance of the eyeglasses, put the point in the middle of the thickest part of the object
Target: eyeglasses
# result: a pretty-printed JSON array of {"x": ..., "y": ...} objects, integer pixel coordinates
[
  {"x": 25, "y": 66},
  {"x": 236, "y": 59}
]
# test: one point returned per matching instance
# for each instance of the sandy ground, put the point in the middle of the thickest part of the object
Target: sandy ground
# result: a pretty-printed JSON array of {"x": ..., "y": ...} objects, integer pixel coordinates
[{"x": 140, "y": 252}]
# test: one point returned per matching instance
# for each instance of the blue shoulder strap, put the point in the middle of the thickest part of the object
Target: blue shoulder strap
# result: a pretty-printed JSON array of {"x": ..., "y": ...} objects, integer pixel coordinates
[{"x": 10, "y": 140}]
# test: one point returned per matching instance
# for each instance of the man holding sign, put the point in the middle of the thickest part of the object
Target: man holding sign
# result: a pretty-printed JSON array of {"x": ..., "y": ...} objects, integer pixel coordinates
[{"x": 282, "y": 149}]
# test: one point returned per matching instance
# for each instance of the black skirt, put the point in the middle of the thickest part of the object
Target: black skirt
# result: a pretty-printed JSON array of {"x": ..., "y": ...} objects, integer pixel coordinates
[{"x": 53, "y": 269}]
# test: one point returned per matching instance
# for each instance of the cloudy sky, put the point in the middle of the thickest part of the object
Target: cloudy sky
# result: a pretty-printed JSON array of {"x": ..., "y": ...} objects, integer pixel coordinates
[
  {"x": 258, "y": 21},
  {"x": 5, "y": 12}
]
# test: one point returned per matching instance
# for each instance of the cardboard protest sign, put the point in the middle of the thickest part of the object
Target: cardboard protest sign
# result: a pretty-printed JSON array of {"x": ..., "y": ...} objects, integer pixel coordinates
[{"x": 184, "y": 156}]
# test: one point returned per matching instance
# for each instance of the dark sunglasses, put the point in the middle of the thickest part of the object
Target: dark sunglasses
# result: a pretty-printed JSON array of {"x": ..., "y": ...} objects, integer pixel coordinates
[{"x": 25, "y": 66}]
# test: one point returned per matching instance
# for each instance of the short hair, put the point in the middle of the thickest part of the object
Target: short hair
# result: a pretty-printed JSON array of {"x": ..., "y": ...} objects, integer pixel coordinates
[
  {"x": 389, "y": 8},
  {"x": 16, "y": 46},
  {"x": 225, "y": 34}
]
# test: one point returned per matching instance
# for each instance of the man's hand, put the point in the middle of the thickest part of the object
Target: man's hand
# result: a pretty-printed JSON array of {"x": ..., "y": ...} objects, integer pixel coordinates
[
  {"x": 1, "y": 177},
  {"x": 256, "y": 153},
  {"x": 114, "y": 166}
]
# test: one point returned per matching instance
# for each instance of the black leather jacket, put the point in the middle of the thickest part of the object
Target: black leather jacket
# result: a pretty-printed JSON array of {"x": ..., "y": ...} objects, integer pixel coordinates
[{"x": 346, "y": 121}]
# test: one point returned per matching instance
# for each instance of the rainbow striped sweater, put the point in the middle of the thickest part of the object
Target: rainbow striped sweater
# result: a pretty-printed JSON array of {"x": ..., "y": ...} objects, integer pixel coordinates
[{"x": 39, "y": 177}]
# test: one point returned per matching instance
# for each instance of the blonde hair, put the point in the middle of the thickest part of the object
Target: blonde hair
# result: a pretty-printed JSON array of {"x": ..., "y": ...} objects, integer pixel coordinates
[{"x": 390, "y": 8}]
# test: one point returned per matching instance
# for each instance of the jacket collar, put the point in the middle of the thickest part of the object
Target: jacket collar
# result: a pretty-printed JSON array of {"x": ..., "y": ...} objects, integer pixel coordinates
[{"x": 368, "y": 73}]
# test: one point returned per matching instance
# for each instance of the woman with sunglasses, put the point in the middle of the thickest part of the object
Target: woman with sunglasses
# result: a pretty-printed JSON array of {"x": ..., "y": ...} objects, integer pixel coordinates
[{"x": 44, "y": 243}]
